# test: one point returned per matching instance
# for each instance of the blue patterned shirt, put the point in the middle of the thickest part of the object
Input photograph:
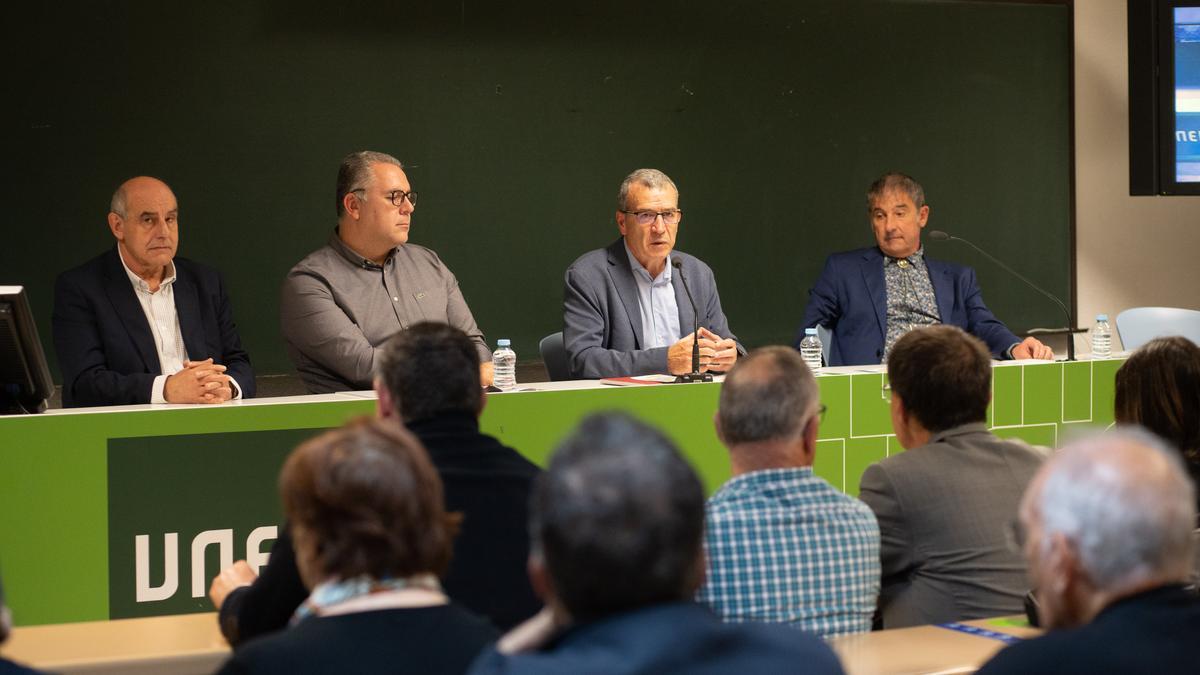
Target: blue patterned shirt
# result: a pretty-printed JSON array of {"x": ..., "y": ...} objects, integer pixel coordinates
[{"x": 785, "y": 546}]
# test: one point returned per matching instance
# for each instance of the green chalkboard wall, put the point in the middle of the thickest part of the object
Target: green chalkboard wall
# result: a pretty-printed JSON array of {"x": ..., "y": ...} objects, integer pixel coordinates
[{"x": 517, "y": 121}]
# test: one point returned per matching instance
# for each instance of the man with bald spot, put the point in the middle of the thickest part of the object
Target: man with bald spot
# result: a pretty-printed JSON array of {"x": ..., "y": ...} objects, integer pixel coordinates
[
  {"x": 138, "y": 325},
  {"x": 1106, "y": 526}
]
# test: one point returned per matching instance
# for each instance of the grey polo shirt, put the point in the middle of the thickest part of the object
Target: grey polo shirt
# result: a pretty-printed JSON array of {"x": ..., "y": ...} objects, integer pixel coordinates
[{"x": 337, "y": 309}]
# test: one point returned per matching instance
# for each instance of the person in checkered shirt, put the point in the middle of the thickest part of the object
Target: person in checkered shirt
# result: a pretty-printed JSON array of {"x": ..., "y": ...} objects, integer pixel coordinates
[{"x": 783, "y": 545}]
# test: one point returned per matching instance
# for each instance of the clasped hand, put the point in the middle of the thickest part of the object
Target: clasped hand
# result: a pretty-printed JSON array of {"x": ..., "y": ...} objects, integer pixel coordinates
[
  {"x": 716, "y": 353},
  {"x": 199, "y": 382}
]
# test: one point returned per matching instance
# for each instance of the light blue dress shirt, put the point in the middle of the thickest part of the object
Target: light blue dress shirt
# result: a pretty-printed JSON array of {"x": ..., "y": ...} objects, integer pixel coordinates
[{"x": 656, "y": 300}]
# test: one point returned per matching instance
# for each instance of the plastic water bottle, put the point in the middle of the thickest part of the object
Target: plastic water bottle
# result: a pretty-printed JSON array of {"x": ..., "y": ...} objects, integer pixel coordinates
[
  {"x": 1102, "y": 338},
  {"x": 504, "y": 365},
  {"x": 810, "y": 350}
]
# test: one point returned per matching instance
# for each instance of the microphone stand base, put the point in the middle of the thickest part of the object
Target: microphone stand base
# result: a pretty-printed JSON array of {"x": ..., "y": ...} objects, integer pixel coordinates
[{"x": 693, "y": 377}]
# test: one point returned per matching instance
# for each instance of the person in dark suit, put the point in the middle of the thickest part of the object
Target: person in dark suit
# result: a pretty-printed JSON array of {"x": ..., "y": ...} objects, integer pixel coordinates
[
  {"x": 871, "y": 296},
  {"x": 943, "y": 503},
  {"x": 1106, "y": 526},
  {"x": 371, "y": 535},
  {"x": 428, "y": 378},
  {"x": 138, "y": 325},
  {"x": 624, "y": 313},
  {"x": 617, "y": 524}
]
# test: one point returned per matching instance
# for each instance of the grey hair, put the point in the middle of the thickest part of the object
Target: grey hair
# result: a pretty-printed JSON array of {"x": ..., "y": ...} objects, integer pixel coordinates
[
  {"x": 117, "y": 205},
  {"x": 1125, "y": 502},
  {"x": 769, "y": 395},
  {"x": 895, "y": 180},
  {"x": 651, "y": 178},
  {"x": 355, "y": 173}
]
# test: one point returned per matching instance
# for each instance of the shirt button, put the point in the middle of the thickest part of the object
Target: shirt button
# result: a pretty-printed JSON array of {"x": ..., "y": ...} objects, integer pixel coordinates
[{"x": 395, "y": 299}]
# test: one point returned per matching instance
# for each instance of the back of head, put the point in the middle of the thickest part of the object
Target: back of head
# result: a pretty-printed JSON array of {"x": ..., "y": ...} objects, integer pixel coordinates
[
  {"x": 431, "y": 369},
  {"x": 365, "y": 500},
  {"x": 1159, "y": 388},
  {"x": 767, "y": 396},
  {"x": 355, "y": 172},
  {"x": 617, "y": 519},
  {"x": 651, "y": 178},
  {"x": 1124, "y": 502},
  {"x": 942, "y": 375},
  {"x": 895, "y": 180}
]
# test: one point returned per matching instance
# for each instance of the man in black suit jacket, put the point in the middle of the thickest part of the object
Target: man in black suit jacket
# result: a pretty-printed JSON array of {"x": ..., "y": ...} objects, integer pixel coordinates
[
  {"x": 429, "y": 379},
  {"x": 138, "y": 325},
  {"x": 1107, "y": 528}
]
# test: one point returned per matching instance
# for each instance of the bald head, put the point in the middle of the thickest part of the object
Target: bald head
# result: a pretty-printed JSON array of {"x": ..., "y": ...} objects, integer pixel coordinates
[
  {"x": 144, "y": 218},
  {"x": 139, "y": 187},
  {"x": 1123, "y": 504}
]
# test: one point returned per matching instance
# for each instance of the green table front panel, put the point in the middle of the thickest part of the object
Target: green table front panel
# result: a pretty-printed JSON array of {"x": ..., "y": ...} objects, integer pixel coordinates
[{"x": 131, "y": 513}]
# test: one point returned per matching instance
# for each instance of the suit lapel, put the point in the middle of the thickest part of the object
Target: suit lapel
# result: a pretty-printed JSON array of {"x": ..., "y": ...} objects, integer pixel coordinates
[
  {"x": 622, "y": 278},
  {"x": 687, "y": 318},
  {"x": 943, "y": 288},
  {"x": 872, "y": 272},
  {"x": 129, "y": 311},
  {"x": 187, "y": 309}
]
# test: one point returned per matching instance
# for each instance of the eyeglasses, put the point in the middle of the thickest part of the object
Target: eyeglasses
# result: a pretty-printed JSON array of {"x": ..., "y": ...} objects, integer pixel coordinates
[
  {"x": 644, "y": 218},
  {"x": 396, "y": 197}
]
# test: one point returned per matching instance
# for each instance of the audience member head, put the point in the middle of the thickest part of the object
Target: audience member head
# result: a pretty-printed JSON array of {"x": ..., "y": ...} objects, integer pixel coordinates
[
  {"x": 898, "y": 212},
  {"x": 940, "y": 378},
  {"x": 1106, "y": 517},
  {"x": 428, "y": 370},
  {"x": 144, "y": 217},
  {"x": 616, "y": 521},
  {"x": 364, "y": 500},
  {"x": 1159, "y": 388},
  {"x": 768, "y": 411}
]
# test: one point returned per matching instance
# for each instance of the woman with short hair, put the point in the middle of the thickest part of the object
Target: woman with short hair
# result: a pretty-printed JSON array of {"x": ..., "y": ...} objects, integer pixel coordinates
[{"x": 371, "y": 537}]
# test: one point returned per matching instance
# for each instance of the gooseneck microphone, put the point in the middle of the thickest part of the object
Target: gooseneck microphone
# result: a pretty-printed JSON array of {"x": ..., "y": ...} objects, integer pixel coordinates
[
  {"x": 938, "y": 235},
  {"x": 695, "y": 375}
]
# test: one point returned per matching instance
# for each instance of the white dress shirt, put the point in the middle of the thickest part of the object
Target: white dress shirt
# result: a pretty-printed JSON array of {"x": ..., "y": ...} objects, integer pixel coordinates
[{"x": 159, "y": 307}]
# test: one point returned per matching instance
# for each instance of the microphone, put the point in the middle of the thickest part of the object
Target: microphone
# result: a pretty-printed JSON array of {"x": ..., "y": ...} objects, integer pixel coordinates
[
  {"x": 695, "y": 375},
  {"x": 938, "y": 235}
]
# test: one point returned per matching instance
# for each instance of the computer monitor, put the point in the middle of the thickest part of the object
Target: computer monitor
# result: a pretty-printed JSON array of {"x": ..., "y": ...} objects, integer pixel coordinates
[{"x": 25, "y": 383}]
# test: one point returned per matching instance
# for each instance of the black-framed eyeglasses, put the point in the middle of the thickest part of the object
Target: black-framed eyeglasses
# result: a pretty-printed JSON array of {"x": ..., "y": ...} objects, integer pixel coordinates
[
  {"x": 396, "y": 197},
  {"x": 644, "y": 218}
]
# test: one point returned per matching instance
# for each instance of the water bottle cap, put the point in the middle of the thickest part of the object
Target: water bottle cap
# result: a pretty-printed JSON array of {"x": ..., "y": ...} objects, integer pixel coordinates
[
  {"x": 1102, "y": 317},
  {"x": 503, "y": 342},
  {"x": 810, "y": 331}
]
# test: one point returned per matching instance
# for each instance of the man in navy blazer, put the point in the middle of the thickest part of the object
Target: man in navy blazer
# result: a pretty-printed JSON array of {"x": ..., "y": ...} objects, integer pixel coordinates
[
  {"x": 871, "y": 296},
  {"x": 624, "y": 313},
  {"x": 138, "y": 325}
]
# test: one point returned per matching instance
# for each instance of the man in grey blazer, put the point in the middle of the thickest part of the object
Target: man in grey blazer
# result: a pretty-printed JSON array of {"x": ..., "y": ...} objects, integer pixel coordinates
[
  {"x": 624, "y": 310},
  {"x": 943, "y": 506}
]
